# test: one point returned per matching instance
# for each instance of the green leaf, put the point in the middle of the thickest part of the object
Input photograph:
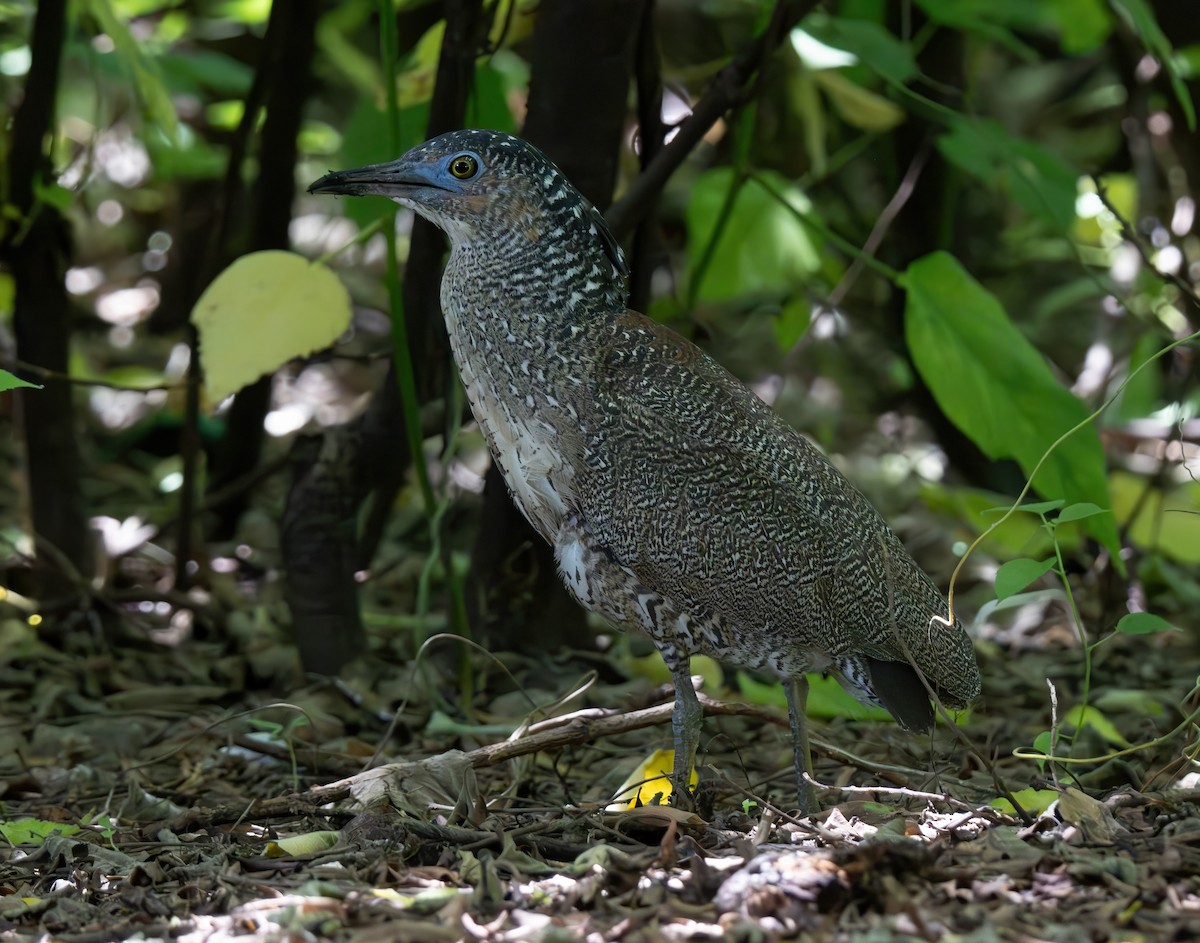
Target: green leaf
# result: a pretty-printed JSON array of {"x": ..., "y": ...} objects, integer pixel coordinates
[
  {"x": 1019, "y": 535},
  {"x": 206, "y": 73},
  {"x": 991, "y": 383},
  {"x": 1143, "y": 623},
  {"x": 488, "y": 106},
  {"x": 806, "y": 102},
  {"x": 308, "y": 843},
  {"x": 1140, "y": 16},
  {"x": 337, "y": 34},
  {"x": 826, "y": 698},
  {"x": 1083, "y": 25},
  {"x": 262, "y": 311},
  {"x": 1143, "y": 393},
  {"x": 871, "y": 44},
  {"x": 146, "y": 78},
  {"x": 1188, "y": 60},
  {"x": 9, "y": 381},
  {"x": 762, "y": 249},
  {"x": 1136, "y": 701},
  {"x": 859, "y": 107},
  {"x": 1034, "y": 507},
  {"x": 793, "y": 320},
  {"x": 1035, "y": 801},
  {"x": 417, "y": 73},
  {"x": 191, "y": 158},
  {"x": 53, "y": 194},
  {"x": 1077, "y": 512},
  {"x": 989, "y": 19},
  {"x": 30, "y": 831},
  {"x": 1081, "y": 716},
  {"x": 1040, "y": 182},
  {"x": 1015, "y": 575},
  {"x": 1161, "y": 521}
]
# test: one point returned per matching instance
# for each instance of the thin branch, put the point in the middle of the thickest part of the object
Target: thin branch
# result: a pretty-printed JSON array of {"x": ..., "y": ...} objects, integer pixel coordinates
[
  {"x": 1127, "y": 232},
  {"x": 46, "y": 373},
  {"x": 585, "y": 726},
  {"x": 728, "y": 90},
  {"x": 903, "y": 192}
]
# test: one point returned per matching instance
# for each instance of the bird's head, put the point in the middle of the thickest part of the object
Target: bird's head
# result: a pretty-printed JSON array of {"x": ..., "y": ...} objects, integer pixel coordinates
[{"x": 485, "y": 187}]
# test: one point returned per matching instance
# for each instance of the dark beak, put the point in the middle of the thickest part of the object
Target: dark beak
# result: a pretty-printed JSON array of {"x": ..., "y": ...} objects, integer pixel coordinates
[{"x": 397, "y": 178}]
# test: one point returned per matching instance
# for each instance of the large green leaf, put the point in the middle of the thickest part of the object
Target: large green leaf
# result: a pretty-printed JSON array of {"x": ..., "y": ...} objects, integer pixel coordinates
[
  {"x": 871, "y": 44},
  {"x": 762, "y": 248},
  {"x": 826, "y": 698},
  {"x": 206, "y": 71},
  {"x": 991, "y": 382},
  {"x": 989, "y": 19},
  {"x": 1083, "y": 25},
  {"x": 146, "y": 76},
  {"x": 364, "y": 134},
  {"x": 1140, "y": 15},
  {"x": 1040, "y": 182}
]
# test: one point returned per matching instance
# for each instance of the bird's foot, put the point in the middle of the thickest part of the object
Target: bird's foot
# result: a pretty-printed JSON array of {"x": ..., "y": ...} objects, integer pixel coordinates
[
  {"x": 806, "y": 797},
  {"x": 682, "y": 791}
]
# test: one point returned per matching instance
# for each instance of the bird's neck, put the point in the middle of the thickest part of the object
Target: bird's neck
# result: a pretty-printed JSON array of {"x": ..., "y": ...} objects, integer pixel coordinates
[{"x": 517, "y": 298}]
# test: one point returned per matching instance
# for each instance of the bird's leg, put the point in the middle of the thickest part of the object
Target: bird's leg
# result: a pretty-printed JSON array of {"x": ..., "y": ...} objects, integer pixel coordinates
[
  {"x": 686, "y": 722},
  {"x": 797, "y": 704}
]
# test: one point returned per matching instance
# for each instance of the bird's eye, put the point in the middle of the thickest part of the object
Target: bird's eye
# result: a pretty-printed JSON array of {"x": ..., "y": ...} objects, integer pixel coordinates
[{"x": 464, "y": 167}]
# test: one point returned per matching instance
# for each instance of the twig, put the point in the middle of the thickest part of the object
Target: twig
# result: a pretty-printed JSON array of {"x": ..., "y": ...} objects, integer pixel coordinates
[
  {"x": 45, "y": 373},
  {"x": 585, "y": 726},
  {"x": 904, "y": 792},
  {"x": 726, "y": 91},
  {"x": 1184, "y": 286},
  {"x": 578, "y": 730},
  {"x": 903, "y": 192}
]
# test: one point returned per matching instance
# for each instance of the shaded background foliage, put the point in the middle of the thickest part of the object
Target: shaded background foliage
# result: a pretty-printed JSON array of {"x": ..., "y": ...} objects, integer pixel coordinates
[{"x": 777, "y": 169}]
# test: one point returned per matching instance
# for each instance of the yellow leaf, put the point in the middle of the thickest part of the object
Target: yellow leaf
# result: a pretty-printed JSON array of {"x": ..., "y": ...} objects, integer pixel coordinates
[
  {"x": 512, "y": 22},
  {"x": 414, "y": 85},
  {"x": 649, "y": 781},
  {"x": 1166, "y": 521},
  {"x": 262, "y": 311},
  {"x": 857, "y": 106},
  {"x": 310, "y": 843}
]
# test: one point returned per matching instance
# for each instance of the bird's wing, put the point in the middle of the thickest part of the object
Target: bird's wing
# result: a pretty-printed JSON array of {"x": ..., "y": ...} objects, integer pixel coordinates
[{"x": 699, "y": 488}]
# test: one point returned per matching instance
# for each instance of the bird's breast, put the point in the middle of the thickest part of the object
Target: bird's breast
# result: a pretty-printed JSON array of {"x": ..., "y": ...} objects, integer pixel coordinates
[{"x": 513, "y": 412}]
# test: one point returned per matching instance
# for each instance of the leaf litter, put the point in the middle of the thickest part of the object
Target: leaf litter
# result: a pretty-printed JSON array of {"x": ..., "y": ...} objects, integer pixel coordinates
[{"x": 160, "y": 793}]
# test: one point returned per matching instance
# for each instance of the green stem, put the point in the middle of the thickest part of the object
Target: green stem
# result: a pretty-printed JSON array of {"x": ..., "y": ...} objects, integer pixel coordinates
[
  {"x": 361, "y": 236},
  {"x": 1077, "y": 619},
  {"x": 1046, "y": 455},
  {"x": 828, "y": 234},
  {"x": 710, "y": 247},
  {"x": 401, "y": 351}
]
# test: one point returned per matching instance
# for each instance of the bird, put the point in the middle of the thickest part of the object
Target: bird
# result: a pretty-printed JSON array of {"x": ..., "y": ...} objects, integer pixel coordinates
[{"x": 678, "y": 503}]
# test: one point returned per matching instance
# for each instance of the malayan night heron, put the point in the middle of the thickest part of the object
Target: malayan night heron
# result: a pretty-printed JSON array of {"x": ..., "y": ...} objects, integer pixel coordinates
[{"x": 678, "y": 504}]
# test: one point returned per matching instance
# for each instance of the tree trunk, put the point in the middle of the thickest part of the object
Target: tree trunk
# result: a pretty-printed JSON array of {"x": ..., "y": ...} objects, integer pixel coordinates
[
  {"x": 582, "y": 53},
  {"x": 37, "y": 256}
]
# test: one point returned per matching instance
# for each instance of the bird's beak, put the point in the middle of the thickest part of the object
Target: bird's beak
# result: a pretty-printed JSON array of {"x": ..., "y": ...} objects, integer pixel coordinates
[{"x": 397, "y": 178}]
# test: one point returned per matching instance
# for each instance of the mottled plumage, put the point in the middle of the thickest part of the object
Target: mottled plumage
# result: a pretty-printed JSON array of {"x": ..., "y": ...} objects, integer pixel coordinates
[{"x": 676, "y": 501}]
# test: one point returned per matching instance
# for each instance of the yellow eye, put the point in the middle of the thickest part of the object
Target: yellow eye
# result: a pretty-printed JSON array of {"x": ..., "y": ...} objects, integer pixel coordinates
[{"x": 464, "y": 166}]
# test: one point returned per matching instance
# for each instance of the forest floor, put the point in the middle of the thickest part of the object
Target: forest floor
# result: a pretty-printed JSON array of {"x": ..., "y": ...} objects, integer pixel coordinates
[{"x": 158, "y": 791}]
